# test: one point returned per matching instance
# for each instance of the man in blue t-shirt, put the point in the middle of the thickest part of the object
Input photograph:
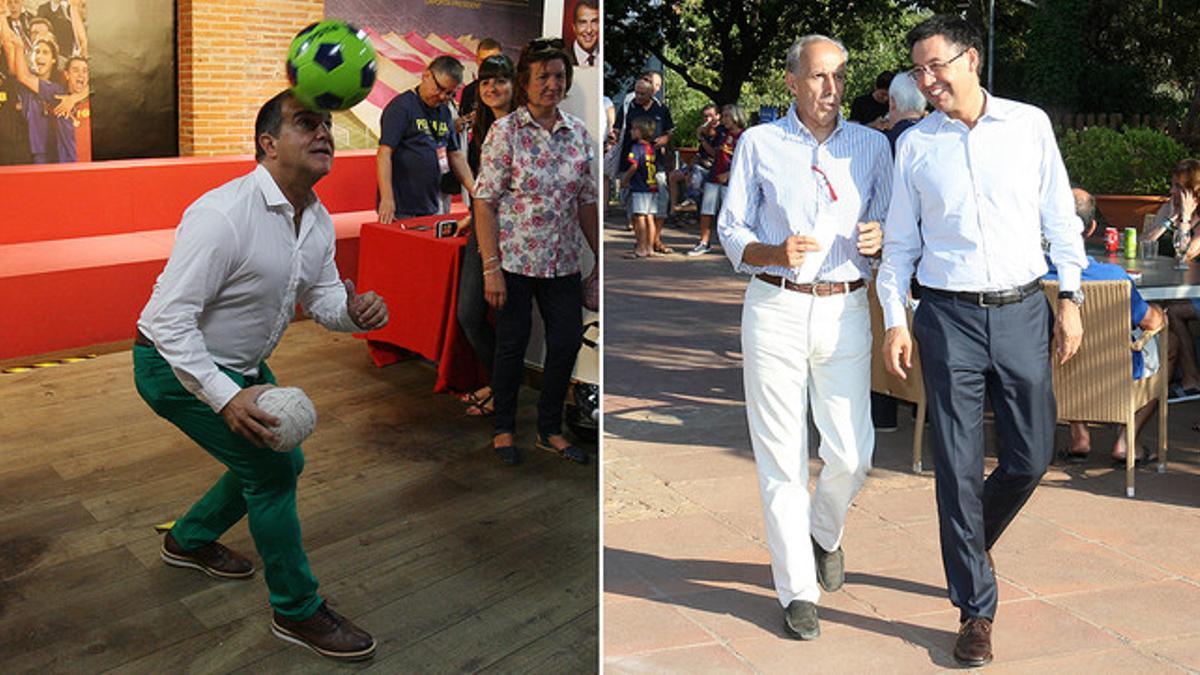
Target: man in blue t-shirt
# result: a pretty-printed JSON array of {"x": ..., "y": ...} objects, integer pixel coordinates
[
  {"x": 1142, "y": 314},
  {"x": 417, "y": 144}
]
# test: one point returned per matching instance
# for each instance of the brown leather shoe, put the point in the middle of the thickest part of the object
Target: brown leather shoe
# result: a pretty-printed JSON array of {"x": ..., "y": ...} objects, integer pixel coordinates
[
  {"x": 327, "y": 633},
  {"x": 212, "y": 558},
  {"x": 974, "y": 645}
]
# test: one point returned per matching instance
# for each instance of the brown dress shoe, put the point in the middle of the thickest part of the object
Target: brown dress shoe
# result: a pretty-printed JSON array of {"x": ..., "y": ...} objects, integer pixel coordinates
[
  {"x": 327, "y": 633},
  {"x": 212, "y": 558},
  {"x": 974, "y": 645}
]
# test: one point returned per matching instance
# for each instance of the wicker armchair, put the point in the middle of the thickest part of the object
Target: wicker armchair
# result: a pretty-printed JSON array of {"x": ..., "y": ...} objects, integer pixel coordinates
[
  {"x": 1096, "y": 384},
  {"x": 883, "y": 382}
]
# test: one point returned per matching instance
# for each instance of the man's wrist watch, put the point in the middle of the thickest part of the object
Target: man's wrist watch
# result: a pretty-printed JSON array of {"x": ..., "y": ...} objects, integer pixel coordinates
[{"x": 1074, "y": 296}]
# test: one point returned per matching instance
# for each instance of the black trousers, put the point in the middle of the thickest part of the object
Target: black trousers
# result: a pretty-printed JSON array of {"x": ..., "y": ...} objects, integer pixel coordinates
[
  {"x": 560, "y": 302},
  {"x": 472, "y": 306},
  {"x": 968, "y": 352}
]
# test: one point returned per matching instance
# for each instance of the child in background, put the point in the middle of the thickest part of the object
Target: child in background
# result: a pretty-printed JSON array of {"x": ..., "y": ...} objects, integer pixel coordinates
[
  {"x": 643, "y": 187},
  {"x": 734, "y": 119}
]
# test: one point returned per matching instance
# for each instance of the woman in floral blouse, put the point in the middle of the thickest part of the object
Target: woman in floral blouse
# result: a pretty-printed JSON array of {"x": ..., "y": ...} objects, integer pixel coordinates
[{"x": 534, "y": 198}]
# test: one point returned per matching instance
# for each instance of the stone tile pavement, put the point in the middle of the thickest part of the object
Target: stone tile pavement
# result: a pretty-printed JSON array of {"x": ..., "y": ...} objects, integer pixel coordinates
[{"x": 1090, "y": 581}]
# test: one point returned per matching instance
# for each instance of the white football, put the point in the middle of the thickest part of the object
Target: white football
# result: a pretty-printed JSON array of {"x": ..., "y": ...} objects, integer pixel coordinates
[{"x": 295, "y": 412}]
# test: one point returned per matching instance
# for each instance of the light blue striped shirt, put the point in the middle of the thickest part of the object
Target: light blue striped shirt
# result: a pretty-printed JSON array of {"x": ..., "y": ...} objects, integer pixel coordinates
[
  {"x": 983, "y": 198},
  {"x": 784, "y": 182}
]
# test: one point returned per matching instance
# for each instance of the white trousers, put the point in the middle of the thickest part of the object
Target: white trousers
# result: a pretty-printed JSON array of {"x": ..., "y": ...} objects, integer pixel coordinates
[{"x": 801, "y": 352}]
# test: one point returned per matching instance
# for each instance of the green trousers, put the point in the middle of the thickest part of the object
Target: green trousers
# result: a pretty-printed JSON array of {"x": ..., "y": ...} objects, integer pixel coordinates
[{"x": 260, "y": 483}]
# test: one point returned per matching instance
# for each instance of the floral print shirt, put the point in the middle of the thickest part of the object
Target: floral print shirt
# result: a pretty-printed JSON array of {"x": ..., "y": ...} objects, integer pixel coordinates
[{"x": 538, "y": 180}]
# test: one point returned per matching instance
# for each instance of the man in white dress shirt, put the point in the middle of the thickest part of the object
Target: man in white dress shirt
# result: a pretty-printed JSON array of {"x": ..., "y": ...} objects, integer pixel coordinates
[
  {"x": 801, "y": 215},
  {"x": 244, "y": 254},
  {"x": 978, "y": 184}
]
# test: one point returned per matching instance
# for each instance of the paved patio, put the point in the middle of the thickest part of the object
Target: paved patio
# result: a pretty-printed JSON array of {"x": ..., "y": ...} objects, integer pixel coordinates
[{"x": 1090, "y": 581}]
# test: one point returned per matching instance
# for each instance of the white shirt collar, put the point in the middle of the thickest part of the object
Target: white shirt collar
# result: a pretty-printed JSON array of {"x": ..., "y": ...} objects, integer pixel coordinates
[{"x": 581, "y": 54}]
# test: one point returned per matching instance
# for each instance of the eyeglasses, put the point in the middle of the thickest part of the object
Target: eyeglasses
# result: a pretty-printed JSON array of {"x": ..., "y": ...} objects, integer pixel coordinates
[
  {"x": 934, "y": 70},
  {"x": 825, "y": 180},
  {"x": 444, "y": 91},
  {"x": 542, "y": 44}
]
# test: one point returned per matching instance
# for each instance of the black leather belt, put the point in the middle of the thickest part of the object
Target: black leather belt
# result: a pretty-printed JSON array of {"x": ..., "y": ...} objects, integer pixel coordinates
[
  {"x": 990, "y": 298},
  {"x": 140, "y": 339},
  {"x": 819, "y": 288}
]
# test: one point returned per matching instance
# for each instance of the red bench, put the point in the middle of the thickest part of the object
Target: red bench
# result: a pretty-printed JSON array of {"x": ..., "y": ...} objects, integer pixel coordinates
[{"x": 81, "y": 244}]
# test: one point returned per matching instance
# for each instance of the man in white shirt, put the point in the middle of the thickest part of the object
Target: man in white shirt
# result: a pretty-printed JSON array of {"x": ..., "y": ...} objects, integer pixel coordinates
[
  {"x": 801, "y": 214},
  {"x": 978, "y": 184},
  {"x": 244, "y": 254}
]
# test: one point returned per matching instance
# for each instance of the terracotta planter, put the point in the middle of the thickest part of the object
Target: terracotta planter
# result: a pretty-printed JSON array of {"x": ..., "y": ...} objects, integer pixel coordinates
[{"x": 1122, "y": 211}]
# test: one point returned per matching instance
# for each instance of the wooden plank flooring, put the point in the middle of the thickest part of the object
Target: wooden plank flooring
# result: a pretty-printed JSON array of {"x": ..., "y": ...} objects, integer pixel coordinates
[{"x": 454, "y": 562}]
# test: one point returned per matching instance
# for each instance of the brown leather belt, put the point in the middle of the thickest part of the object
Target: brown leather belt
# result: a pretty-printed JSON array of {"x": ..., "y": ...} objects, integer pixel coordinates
[
  {"x": 142, "y": 340},
  {"x": 818, "y": 288}
]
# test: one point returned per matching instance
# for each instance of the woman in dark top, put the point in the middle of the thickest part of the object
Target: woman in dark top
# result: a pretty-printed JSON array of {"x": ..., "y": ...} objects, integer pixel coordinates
[{"x": 495, "y": 101}]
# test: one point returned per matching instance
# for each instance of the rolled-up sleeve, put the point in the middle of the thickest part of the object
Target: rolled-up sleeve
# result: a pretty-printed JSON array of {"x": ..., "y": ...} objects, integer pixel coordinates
[
  {"x": 587, "y": 192},
  {"x": 901, "y": 243},
  {"x": 735, "y": 224},
  {"x": 1060, "y": 224},
  {"x": 205, "y": 251},
  {"x": 325, "y": 299}
]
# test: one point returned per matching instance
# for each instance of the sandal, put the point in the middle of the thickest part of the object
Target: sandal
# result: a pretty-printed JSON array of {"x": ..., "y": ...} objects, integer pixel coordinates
[
  {"x": 664, "y": 249},
  {"x": 1144, "y": 457},
  {"x": 484, "y": 408},
  {"x": 634, "y": 255},
  {"x": 1068, "y": 456},
  {"x": 509, "y": 454},
  {"x": 571, "y": 452},
  {"x": 470, "y": 398}
]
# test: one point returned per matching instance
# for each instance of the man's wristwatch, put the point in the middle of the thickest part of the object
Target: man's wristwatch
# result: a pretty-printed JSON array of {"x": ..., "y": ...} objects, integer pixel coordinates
[{"x": 1074, "y": 296}]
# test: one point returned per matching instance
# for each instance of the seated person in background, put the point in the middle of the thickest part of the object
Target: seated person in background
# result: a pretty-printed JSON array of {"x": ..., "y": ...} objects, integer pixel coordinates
[
  {"x": 708, "y": 136},
  {"x": 1180, "y": 208},
  {"x": 1144, "y": 316},
  {"x": 871, "y": 106},
  {"x": 906, "y": 107},
  {"x": 1181, "y": 211}
]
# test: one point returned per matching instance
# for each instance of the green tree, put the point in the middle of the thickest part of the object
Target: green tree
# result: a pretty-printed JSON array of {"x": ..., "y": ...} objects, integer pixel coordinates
[{"x": 716, "y": 46}]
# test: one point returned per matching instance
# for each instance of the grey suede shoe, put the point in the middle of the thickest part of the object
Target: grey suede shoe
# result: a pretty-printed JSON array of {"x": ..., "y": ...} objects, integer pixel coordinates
[
  {"x": 800, "y": 620},
  {"x": 831, "y": 567}
]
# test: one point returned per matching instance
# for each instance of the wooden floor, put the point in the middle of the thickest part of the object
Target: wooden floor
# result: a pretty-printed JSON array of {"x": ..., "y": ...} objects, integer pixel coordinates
[{"x": 414, "y": 529}]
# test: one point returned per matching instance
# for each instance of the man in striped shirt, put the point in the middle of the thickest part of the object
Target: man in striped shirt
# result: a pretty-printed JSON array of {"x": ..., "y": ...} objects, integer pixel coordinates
[{"x": 801, "y": 215}]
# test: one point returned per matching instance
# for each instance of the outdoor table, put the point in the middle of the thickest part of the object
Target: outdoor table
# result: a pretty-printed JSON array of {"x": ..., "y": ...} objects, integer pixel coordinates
[
  {"x": 1160, "y": 280},
  {"x": 417, "y": 275}
]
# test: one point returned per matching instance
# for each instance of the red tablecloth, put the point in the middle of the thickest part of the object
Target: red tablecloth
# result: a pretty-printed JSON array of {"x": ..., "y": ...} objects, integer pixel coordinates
[{"x": 417, "y": 275}]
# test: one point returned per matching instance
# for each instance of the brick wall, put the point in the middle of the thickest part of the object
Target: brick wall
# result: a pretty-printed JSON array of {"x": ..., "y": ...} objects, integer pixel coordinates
[{"x": 231, "y": 59}]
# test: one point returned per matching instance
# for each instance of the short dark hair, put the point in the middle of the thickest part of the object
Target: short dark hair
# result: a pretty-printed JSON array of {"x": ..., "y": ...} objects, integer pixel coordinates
[
  {"x": 884, "y": 79},
  {"x": 447, "y": 65},
  {"x": 534, "y": 54},
  {"x": 590, "y": 4},
  {"x": 75, "y": 58},
  {"x": 488, "y": 44},
  {"x": 710, "y": 106},
  {"x": 269, "y": 121},
  {"x": 953, "y": 28}
]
